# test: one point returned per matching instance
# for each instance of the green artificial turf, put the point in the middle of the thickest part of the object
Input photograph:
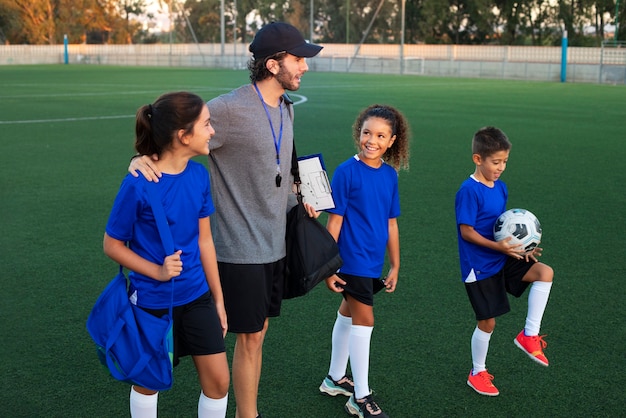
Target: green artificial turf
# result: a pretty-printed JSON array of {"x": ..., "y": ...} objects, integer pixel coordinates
[{"x": 67, "y": 135}]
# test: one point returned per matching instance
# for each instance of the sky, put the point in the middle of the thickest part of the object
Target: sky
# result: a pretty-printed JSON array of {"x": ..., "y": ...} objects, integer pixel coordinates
[{"x": 161, "y": 21}]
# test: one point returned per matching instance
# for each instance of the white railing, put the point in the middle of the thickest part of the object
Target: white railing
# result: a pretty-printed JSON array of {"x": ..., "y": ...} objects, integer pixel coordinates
[{"x": 517, "y": 62}]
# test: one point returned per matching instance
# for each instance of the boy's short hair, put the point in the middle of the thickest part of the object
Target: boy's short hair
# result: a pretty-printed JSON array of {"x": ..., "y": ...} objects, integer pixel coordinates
[{"x": 489, "y": 140}]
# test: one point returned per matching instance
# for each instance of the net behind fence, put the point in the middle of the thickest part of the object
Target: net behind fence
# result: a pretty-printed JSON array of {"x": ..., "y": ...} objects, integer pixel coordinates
[{"x": 613, "y": 62}]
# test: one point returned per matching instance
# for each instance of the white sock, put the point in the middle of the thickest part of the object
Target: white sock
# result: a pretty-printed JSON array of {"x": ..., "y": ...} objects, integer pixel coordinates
[
  {"x": 143, "y": 406},
  {"x": 340, "y": 343},
  {"x": 537, "y": 301},
  {"x": 360, "y": 337},
  {"x": 212, "y": 408},
  {"x": 480, "y": 346}
]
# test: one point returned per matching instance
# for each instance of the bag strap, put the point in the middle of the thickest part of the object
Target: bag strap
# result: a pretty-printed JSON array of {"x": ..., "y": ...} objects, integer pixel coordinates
[
  {"x": 164, "y": 229},
  {"x": 295, "y": 171},
  {"x": 296, "y": 174},
  {"x": 161, "y": 221}
]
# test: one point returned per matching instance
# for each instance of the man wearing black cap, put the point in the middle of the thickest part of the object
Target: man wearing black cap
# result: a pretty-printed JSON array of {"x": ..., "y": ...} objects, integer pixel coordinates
[{"x": 250, "y": 162}]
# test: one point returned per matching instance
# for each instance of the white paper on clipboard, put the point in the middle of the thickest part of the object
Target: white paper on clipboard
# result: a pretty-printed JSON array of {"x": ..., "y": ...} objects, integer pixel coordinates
[{"x": 315, "y": 186}]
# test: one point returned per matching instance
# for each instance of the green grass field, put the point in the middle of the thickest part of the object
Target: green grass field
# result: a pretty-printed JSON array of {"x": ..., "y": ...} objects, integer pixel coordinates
[{"x": 67, "y": 135}]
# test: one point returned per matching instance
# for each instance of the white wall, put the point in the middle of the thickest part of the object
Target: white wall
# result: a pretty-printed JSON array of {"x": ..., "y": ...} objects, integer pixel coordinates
[{"x": 508, "y": 62}]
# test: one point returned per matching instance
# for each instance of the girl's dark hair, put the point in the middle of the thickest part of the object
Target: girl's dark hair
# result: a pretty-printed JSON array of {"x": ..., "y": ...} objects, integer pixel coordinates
[
  {"x": 489, "y": 140},
  {"x": 258, "y": 69},
  {"x": 398, "y": 154},
  {"x": 157, "y": 123}
]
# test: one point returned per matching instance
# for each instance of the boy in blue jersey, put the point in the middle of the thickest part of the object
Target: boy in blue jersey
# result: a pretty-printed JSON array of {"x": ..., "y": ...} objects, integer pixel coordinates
[
  {"x": 367, "y": 203},
  {"x": 491, "y": 269}
]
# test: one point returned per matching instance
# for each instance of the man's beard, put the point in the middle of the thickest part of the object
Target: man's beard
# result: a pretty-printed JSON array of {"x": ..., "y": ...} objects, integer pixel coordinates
[{"x": 285, "y": 79}]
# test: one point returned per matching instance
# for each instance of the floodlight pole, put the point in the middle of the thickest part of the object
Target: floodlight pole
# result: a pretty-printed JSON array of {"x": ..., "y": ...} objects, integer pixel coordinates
[
  {"x": 564, "y": 57},
  {"x": 222, "y": 30},
  {"x": 402, "y": 38},
  {"x": 616, "y": 21},
  {"x": 347, "y": 21},
  {"x": 311, "y": 23},
  {"x": 234, "y": 29}
]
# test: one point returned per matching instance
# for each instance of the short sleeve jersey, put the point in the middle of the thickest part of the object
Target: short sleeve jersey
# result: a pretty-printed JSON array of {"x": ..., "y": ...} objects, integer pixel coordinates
[
  {"x": 479, "y": 206},
  {"x": 251, "y": 216},
  {"x": 186, "y": 198},
  {"x": 366, "y": 198}
]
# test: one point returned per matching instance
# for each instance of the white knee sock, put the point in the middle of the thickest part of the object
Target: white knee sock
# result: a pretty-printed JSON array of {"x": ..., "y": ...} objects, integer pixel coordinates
[
  {"x": 480, "y": 346},
  {"x": 212, "y": 408},
  {"x": 143, "y": 406},
  {"x": 340, "y": 343},
  {"x": 360, "y": 337},
  {"x": 537, "y": 301}
]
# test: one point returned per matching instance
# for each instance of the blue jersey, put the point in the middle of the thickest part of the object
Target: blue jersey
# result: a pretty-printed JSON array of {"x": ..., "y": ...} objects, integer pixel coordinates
[
  {"x": 367, "y": 198},
  {"x": 479, "y": 206},
  {"x": 186, "y": 198}
]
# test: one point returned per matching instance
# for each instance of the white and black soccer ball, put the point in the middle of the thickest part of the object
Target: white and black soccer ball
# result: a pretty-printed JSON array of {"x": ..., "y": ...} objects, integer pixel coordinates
[{"x": 521, "y": 225}]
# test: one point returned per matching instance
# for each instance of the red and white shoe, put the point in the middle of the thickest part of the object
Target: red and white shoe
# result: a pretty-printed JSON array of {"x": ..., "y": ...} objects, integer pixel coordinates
[
  {"x": 533, "y": 346},
  {"x": 482, "y": 384}
]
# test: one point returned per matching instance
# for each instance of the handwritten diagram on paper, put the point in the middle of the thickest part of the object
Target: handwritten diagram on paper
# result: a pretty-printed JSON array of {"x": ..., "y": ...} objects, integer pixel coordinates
[{"x": 315, "y": 186}]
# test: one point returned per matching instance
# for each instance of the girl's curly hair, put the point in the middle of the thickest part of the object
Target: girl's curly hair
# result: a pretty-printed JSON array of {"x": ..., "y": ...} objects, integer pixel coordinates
[{"x": 398, "y": 154}]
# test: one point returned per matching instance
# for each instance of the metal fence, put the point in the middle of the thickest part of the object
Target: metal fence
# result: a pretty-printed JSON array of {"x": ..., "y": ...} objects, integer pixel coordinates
[
  {"x": 613, "y": 62},
  {"x": 585, "y": 65}
]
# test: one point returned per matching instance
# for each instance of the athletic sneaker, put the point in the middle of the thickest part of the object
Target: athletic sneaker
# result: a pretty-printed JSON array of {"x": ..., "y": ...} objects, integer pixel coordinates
[
  {"x": 364, "y": 408},
  {"x": 343, "y": 386},
  {"x": 481, "y": 383},
  {"x": 533, "y": 346}
]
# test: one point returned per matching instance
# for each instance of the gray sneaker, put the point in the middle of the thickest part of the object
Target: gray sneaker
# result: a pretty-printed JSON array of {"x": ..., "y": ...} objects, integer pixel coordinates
[
  {"x": 343, "y": 386},
  {"x": 364, "y": 408}
]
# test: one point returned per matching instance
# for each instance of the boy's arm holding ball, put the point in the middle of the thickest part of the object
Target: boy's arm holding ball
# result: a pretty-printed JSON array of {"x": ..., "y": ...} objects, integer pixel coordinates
[{"x": 469, "y": 234}]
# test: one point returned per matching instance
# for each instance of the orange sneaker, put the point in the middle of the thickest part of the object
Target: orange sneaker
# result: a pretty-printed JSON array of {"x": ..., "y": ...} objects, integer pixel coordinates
[
  {"x": 481, "y": 383},
  {"x": 533, "y": 346}
]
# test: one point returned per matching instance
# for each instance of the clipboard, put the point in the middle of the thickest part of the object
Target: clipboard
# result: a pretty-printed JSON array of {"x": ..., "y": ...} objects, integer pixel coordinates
[{"x": 315, "y": 187}]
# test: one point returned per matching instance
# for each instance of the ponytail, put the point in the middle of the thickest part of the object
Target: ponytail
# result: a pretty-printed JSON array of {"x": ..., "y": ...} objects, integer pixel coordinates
[{"x": 157, "y": 124}]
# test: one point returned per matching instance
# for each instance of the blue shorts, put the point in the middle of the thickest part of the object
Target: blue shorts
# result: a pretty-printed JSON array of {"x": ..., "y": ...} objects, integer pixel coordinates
[
  {"x": 197, "y": 328},
  {"x": 489, "y": 296}
]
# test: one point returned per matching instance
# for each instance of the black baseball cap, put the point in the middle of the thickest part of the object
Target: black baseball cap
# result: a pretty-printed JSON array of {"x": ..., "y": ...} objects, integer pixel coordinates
[{"x": 278, "y": 37}]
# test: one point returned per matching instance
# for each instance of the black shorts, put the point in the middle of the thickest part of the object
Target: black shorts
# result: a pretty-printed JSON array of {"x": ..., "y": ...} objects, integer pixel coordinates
[
  {"x": 489, "y": 296},
  {"x": 197, "y": 328},
  {"x": 361, "y": 288},
  {"x": 252, "y": 293}
]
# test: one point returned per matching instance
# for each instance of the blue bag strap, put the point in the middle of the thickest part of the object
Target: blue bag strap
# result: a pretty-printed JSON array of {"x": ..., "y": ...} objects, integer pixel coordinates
[
  {"x": 161, "y": 220},
  {"x": 164, "y": 229}
]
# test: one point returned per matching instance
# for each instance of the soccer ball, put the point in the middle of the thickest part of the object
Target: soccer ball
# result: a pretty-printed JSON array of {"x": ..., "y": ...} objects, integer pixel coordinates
[{"x": 521, "y": 225}]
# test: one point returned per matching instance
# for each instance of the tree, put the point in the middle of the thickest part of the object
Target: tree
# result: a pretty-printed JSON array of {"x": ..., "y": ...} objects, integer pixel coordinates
[
  {"x": 36, "y": 20},
  {"x": 415, "y": 28},
  {"x": 10, "y": 23},
  {"x": 528, "y": 22},
  {"x": 510, "y": 22},
  {"x": 346, "y": 21},
  {"x": 83, "y": 21},
  {"x": 204, "y": 18},
  {"x": 128, "y": 8},
  {"x": 459, "y": 21}
]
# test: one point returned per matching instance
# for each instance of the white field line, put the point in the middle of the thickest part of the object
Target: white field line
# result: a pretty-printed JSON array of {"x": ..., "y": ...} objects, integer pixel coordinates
[
  {"x": 15, "y": 122},
  {"x": 297, "y": 98}
]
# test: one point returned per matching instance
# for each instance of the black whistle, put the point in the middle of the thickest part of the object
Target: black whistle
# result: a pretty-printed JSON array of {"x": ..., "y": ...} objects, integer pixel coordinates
[{"x": 278, "y": 180}]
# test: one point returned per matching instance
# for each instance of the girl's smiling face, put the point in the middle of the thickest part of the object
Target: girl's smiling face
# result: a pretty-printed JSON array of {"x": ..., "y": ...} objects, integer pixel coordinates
[
  {"x": 202, "y": 133},
  {"x": 376, "y": 138}
]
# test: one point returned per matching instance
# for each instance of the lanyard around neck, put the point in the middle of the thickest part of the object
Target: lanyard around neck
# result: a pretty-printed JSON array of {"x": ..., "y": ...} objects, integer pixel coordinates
[{"x": 277, "y": 140}]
